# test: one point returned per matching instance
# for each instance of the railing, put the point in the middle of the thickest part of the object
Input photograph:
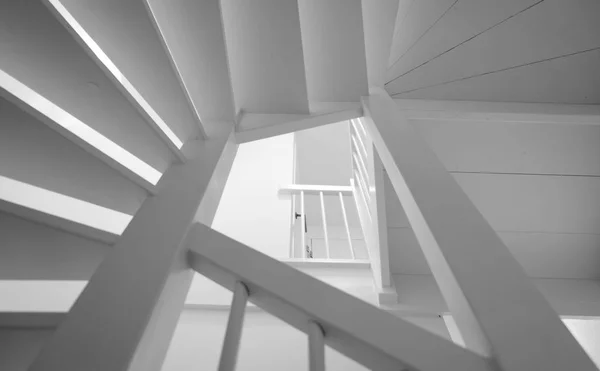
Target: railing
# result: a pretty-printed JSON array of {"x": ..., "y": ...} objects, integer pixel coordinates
[
  {"x": 363, "y": 184},
  {"x": 374, "y": 338},
  {"x": 299, "y": 232},
  {"x": 362, "y": 158}
]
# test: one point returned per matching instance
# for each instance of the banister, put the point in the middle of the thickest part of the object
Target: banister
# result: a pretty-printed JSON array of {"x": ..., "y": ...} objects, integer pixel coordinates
[
  {"x": 372, "y": 337},
  {"x": 315, "y": 189}
]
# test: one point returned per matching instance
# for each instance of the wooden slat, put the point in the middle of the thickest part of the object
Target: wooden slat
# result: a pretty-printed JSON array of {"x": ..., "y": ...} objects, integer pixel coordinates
[
  {"x": 33, "y": 153},
  {"x": 335, "y": 64},
  {"x": 120, "y": 36},
  {"x": 33, "y": 251},
  {"x": 555, "y": 27},
  {"x": 466, "y": 20},
  {"x": 50, "y": 73},
  {"x": 194, "y": 36},
  {"x": 264, "y": 46}
]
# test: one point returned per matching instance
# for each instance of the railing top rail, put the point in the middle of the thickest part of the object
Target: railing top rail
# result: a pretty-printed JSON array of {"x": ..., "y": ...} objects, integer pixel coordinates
[
  {"x": 370, "y": 336},
  {"x": 315, "y": 189}
]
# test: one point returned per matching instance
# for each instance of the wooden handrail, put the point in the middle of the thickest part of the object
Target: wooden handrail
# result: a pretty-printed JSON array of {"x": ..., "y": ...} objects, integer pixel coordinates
[{"x": 376, "y": 339}]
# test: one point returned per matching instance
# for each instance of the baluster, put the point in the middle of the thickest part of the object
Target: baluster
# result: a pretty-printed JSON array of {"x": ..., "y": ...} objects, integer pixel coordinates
[
  {"x": 361, "y": 167},
  {"x": 231, "y": 344},
  {"x": 316, "y": 347},
  {"x": 361, "y": 150},
  {"x": 358, "y": 185},
  {"x": 303, "y": 224},
  {"x": 324, "y": 216},
  {"x": 362, "y": 127},
  {"x": 293, "y": 227},
  {"x": 347, "y": 226}
]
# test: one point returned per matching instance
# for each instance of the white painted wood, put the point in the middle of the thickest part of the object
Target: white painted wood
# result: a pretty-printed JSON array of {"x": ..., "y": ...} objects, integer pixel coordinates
[
  {"x": 328, "y": 263},
  {"x": 521, "y": 148},
  {"x": 347, "y": 226},
  {"x": 293, "y": 227},
  {"x": 379, "y": 19},
  {"x": 32, "y": 251},
  {"x": 259, "y": 126},
  {"x": 316, "y": 347},
  {"x": 334, "y": 60},
  {"x": 360, "y": 163},
  {"x": 499, "y": 111},
  {"x": 78, "y": 132},
  {"x": 553, "y": 26},
  {"x": 474, "y": 269},
  {"x": 303, "y": 212},
  {"x": 462, "y": 22},
  {"x": 61, "y": 211},
  {"x": 99, "y": 28},
  {"x": 26, "y": 321},
  {"x": 235, "y": 325},
  {"x": 35, "y": 154},
  {"x": 324, "y": 219},
  {"x": 542, "y": 255},
  {"x": 362, "y": 182},
  {"x": 315, "y": 189},
  {"x": 381, "y": 224},
  {"x": 575, "y": 84},
  {"x": 146, "y": 272},
  {"x": 194, "y": 37},
  {"x": 255, "y": 33},
  {"x": 362, "y": 150},
  {"x": 52, "y": 64},
  {"x": 376, "y": 339},
  {"x": 420, "y": 17},
  {"x": 360, "y": 189},
  {"x": 528, "y": 203},
  {"x": 418, "y": 293}
]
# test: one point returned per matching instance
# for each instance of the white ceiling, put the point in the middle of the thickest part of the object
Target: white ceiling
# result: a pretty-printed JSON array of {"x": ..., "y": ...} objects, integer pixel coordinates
[{"x": 524, "y": 51}]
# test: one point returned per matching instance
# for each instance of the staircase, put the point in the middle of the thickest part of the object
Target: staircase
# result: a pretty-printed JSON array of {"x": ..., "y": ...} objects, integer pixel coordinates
[{"x": 119, "y": 123}]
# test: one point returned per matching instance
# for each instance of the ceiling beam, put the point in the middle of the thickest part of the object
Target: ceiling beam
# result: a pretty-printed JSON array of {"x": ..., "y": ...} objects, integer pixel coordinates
[{"x": 256, "y": 126}]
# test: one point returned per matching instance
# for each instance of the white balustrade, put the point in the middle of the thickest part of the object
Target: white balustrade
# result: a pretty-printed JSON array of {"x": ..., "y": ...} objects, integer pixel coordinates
[
  {"x": 376, "y": 339},
  {"x": 323, "y": 192}
]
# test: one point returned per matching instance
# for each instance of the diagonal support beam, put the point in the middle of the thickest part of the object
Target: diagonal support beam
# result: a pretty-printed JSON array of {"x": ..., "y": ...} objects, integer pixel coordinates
[
  {"x": 375, "y": 338},
  {"x": 497, "y": 308},
  {"x": 125, "y": 317},
  {"x": 256, "y": 126}
]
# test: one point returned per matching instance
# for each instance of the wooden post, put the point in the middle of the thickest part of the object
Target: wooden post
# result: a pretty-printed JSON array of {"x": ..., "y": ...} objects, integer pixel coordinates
[
  {"x": 125, "y": 317},
  {"x": 499, "y": 311},
  {"x": 316, "y": 347},
  {"x": 235, "y": 325}
]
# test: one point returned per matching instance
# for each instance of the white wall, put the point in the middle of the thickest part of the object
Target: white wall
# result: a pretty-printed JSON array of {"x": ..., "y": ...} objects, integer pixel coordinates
[
  {"x": 251, "y": 210},
  {"x": 323, "y": 155},
  {"x": 267, "y": 344}
]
